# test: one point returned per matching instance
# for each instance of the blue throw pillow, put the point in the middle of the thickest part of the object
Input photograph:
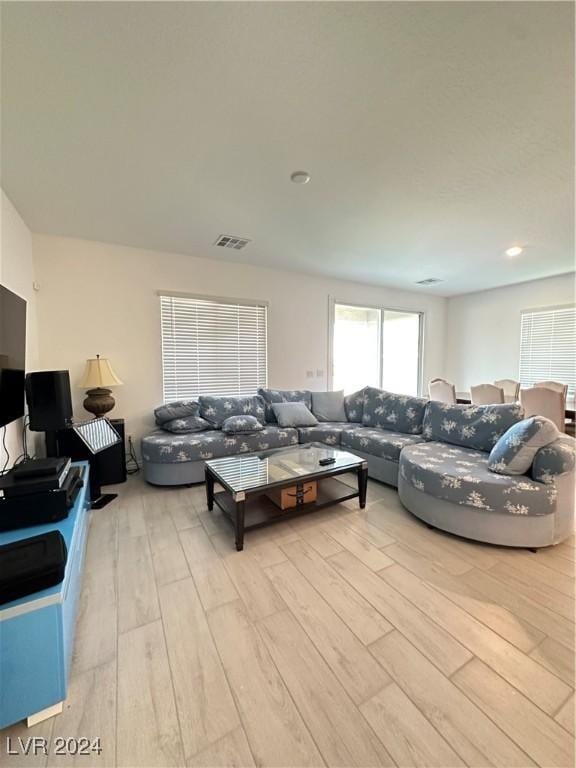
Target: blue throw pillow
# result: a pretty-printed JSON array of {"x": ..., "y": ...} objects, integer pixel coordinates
[
  {"x": 471, "y": 426},
  {"x": 186, "y": 425},
  {"x": 241, "y": 425},
  {"x": 514, "y": 452}
]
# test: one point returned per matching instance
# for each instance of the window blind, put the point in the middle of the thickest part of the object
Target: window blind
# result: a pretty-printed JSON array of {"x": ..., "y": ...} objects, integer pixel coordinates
[
  {"x": 212, "y": 347},
  {"x": 547, "y": 346}
]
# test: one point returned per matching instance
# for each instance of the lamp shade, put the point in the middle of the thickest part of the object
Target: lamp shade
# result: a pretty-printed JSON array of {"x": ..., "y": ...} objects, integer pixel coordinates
[{"x": 98, "y": 373}]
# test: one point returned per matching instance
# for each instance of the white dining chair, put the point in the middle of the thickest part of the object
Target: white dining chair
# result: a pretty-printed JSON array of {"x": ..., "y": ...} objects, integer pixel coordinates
[
  {"x": 556, "y": 386},
  {"x": 511, "y": 389},
  {"x": 486, "y": 394},
  {"x": 541, "y": 401},
  {"x": 442, "y": 391}
]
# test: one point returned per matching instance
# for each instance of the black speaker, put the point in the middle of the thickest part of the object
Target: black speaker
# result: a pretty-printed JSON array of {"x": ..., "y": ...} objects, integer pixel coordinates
[{"x": 49, "y": 400}]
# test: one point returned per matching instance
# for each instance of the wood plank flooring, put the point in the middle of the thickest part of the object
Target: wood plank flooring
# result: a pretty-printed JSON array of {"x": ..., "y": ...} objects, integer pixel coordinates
[{"x": 347, "y": 638}]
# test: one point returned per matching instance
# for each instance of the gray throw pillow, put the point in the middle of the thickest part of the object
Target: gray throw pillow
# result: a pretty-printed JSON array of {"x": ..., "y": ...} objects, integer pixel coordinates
[
  {"x": 241, "y": 425},
  {"x": 186, "y": 425},
  {"x": 514, "y": 452},
  {"x": 293, "y": 415},
  {"x": 178, "y": 409},
  {"x": 329, "y": 406}
]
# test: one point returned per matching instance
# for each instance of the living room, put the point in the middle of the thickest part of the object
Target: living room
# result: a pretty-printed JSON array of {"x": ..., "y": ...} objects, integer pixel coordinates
[{"x": 395, "y": 186}]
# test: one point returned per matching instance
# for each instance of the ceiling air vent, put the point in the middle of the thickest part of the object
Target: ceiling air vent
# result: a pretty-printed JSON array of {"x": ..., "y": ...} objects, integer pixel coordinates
[
  {"x": 231, "y": 241},
  {"x": 429, "y": 281}
]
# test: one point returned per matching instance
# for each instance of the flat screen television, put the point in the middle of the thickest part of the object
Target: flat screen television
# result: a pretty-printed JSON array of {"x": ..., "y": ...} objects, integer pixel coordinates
[{"x": 12, "y": 355}]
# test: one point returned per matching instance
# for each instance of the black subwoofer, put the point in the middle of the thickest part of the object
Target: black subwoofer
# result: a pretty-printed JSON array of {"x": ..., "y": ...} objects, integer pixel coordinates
[{"x": 49, "y": 400}]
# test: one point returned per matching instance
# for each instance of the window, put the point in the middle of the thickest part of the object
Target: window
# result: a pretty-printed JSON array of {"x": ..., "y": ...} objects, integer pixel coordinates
[
  {"x": 376, "y": 346},
  {"x": 548, "y": 345},
  {"x": 212, "y": 346}
]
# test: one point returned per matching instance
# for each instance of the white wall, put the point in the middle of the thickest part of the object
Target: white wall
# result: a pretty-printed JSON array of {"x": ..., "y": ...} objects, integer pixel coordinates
[
  {"x": 99, "y": 298},
  {"x": 484, "y": 328},
  {"x": 17, "y": 274}
]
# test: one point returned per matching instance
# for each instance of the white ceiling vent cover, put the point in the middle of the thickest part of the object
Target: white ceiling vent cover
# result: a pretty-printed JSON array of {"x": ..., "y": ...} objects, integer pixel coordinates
[
  {"x": 429, "y": 281},
  {"x": 232, "y": 241}
]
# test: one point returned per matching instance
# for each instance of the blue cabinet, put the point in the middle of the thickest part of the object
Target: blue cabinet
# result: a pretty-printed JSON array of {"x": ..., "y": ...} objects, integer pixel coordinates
[{"x": 37, "y": 631}]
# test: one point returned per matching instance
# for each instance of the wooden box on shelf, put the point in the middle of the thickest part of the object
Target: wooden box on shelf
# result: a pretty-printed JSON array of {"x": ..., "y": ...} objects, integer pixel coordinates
[{"x": 294, "y": 496}]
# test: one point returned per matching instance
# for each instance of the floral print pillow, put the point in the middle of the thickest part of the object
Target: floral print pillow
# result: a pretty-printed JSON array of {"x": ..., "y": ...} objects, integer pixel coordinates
[
  {"x": 217, "y": 409},
  {"x": 555, "y": 459},
  {"x": 387, "y": 410},
  {"x": 354, "y": 406},
  {"x": 514, "y": 452},
  {"x": 471, "y": 426},
  {"x": 241, "y": 425},
  {"x": 186, "y": 425}
]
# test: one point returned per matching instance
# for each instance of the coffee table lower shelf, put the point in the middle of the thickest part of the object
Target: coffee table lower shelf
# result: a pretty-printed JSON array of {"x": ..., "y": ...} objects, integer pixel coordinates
[{"x": 260, "y": 511}]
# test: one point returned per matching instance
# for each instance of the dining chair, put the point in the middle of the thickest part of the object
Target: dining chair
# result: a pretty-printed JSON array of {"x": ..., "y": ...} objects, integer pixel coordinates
[
  {"x": 442, "y": 391},
  {"x": 486, "y": 394},
  {"x": 511, "y": 389},
  {"x": 556, "y": 386},
  {"x": 541, "y": 401}
]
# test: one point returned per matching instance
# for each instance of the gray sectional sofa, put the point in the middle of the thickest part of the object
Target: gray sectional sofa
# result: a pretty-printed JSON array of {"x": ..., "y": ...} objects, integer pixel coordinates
[{"x": 436, "y": 455}]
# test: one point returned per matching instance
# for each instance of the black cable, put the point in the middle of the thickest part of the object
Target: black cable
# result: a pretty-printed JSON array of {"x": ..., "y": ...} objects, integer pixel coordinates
[
  {"x": 5, "y": 447},
  {"x": 25, "y": 423},
  {"x": 132, "y": 465}
]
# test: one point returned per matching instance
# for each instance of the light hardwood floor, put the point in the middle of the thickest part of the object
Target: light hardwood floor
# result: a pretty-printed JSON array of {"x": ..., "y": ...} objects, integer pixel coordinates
[{"x": 345, "y": 638}]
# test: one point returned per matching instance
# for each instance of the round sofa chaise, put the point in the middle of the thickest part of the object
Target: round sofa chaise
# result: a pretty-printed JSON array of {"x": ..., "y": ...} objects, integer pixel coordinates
[{"x": 452, "y": 489}]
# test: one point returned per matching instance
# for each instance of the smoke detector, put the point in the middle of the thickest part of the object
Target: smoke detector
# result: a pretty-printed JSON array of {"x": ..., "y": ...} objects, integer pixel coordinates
[
  {"x": 429, "y": 281},
  {"x": 232, "y": 241}
]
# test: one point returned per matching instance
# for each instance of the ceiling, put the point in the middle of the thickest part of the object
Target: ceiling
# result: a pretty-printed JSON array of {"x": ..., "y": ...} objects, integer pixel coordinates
[{"x": 437, "y": 134}]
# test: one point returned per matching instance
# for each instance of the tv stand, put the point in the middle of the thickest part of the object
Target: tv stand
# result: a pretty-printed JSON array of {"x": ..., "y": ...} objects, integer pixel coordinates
[{"x": 37, "y": 631}]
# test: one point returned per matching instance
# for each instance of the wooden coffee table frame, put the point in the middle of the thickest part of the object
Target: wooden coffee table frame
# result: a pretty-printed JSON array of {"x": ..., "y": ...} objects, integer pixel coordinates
[{"x": 252, "y": 509}]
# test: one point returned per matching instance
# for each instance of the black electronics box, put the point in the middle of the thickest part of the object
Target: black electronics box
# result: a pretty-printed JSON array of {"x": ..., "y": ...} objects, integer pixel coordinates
[
  {"x": 28, "y": 509},
  {"x": 29, "y": 565},
  {"x": 34, "y": 476}
]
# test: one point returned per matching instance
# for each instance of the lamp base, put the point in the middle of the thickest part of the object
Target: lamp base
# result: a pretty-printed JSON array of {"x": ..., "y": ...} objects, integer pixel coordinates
[{"x": 99, "y": 401}]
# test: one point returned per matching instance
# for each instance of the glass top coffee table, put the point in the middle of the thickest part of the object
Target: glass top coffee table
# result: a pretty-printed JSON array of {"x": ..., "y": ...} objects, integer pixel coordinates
[{"x": 248, "y": 478}]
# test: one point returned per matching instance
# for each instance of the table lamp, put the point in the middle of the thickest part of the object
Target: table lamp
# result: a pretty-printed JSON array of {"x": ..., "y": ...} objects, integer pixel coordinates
[{"x": 98, "y": 376}]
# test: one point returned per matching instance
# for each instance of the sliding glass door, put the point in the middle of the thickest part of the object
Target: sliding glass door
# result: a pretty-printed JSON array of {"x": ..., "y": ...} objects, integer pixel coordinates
[{"x": 376, "y": 346}]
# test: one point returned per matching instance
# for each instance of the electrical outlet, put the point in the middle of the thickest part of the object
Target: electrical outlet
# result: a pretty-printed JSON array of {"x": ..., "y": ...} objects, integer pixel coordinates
[
  {"x": 319, "y": 373},
  {"x": 309, "y": 374}
]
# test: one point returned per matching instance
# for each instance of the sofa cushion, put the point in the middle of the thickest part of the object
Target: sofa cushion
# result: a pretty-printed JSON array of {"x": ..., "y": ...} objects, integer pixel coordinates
[
  {"x": 294, "y": 415},
  {"x": 461, "y": 475},
  {"x": 377, "y": 442},
  {"x": 555, "y": 459},
  {"x": 387, "y": 410},
  {"x": 354, "y": 406},
  {"x": 325, "y": 432},
  {"x": 514, "y": 452},
  {"x": 186, "y": 424},
  {"x": 241, "y": 425},
  {"x": 164, "y": 448},
  {"x": 178, "y": 409},
  {"x": 217, "y": 409},
  {"x": 472, "y": 426},
  {"x": 329, "y": 406},
  {"x": 284, "y": 396}
]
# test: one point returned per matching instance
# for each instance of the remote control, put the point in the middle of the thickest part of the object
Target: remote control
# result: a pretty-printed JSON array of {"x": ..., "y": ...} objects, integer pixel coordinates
[{"x": 324, "y": 462}]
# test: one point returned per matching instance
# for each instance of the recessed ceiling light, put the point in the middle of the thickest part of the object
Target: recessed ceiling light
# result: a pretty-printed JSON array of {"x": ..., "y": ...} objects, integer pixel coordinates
[
  {"x": 516, "y": 250},
  {"x": 300, "y": 177}
]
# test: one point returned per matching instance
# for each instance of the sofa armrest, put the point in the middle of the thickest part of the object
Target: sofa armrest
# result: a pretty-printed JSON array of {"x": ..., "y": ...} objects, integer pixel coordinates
[{"x": 555, "y": 459}]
